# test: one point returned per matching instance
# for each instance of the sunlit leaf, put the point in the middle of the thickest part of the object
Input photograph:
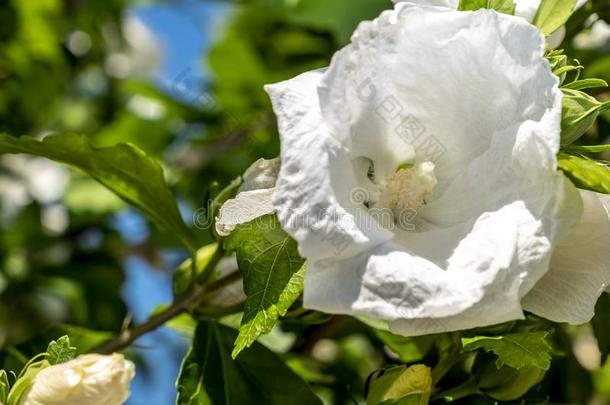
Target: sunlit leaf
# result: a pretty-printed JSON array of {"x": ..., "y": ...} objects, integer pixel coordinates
[
  {"x": 552, "y": 14},
  {"x": 585, "y": 173},
  {"x": 586, "y": 84},
  {"x": 501, "y": 6},
  {"x": 401, "y": 385},
  {"x": 516, "y": 350},
  {"x": 585, "y": 148},
  {"x": 504, "y": 383},
  {"x": 60, "y": 351},
  {"x": 85, "y": 340},
  {"x": 123, "y": 168},
  {"x": 273, "y": 275}
]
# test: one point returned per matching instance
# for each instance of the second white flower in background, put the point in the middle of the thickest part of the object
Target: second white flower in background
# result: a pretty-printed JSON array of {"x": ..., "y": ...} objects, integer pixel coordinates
[{"x": 90, "y": 379}]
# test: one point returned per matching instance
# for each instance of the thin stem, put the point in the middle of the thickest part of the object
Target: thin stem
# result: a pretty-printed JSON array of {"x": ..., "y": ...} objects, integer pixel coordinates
[
  {"x": 444, "y": 367},
  {"x": 178, "y": 307},
  {"x": 461, "y": 391},
  {"x": 450, "y": 354}
]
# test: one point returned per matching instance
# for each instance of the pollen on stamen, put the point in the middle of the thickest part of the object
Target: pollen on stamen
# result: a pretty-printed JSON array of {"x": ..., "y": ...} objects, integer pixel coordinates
[{"x": 408, "y": 188}]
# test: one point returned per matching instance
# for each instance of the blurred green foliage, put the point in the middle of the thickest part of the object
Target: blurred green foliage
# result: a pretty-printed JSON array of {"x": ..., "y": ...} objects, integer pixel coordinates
[{"x": 61, "y": 257}]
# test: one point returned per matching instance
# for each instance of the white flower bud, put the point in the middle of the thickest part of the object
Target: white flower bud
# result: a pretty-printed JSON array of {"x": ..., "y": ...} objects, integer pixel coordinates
[
  {"x": 90, "y": 379},
  {"x": 254, "y": 197}
]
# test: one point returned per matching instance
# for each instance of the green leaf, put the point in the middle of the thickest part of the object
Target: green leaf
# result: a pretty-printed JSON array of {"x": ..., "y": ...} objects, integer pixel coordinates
[
  {"x": 60, "y": 351},
  {"x": 563, "y": 70},
  {"x": 601, "y": 379},
  {"x": 516, "y": 350},
  {"x": 183, "y": 279},
  {"x": 273, "y": 275},
  {"x": 226, "y": 193},
  {"x": 400, "y": 385},
  {"x": 471, "y": 5},
  {"x": 206, "y": 218},
  {"x": 408, "y": 349},
  {"x": 86, "y": 196},
  {"x": 4, "y": 386},
  {"x": 183, "y": 324},
  {"x": 579, "y": 112},
  {"x": 340, "y": 17},
  {"x": 504, "y": 383},
  {"x": 586, "y": 84},
  {"x": 585, "y": 148},
  {"x": 123, "y": 168},
  {"x": 557, "y": 59},
  {"x": 561, "y": 65},
  {"x": 24, "y": 382},
  {"x": 601, "y": 325},
  {"x": 191, "y": 379},
  {"x": 552, "y": 14},
  {"x": 585, "y": 173},
  {"x": 210, "y": 376},
  {"x": 84, "y": 339},
  {"x": 501, "y": 6}
]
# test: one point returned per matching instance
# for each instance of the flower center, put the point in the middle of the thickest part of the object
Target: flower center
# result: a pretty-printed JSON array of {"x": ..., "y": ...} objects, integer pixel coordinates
[{"x": 407, "y": 188}]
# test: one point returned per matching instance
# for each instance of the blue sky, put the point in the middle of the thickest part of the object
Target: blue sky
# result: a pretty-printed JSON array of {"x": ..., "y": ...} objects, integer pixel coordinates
[{"x": 184, "y": 29}]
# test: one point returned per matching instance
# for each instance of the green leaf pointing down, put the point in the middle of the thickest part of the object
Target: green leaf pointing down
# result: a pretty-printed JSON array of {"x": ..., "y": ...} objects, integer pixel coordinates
[
  {"x": 123, "y": 168},
  {"x": 209, "y": 375},
  {"x": 273, "y": 275},
  {"x": 552, "y": 14},
  {"x": 516, "y": 350}
]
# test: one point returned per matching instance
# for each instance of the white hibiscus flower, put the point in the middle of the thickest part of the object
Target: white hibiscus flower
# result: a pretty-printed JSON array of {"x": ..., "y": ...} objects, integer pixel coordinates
[{"x": 454, "y": 119}]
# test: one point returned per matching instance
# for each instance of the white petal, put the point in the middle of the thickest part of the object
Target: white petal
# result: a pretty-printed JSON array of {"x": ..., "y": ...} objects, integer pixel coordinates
[
  {"x": 500, "y": 125},
  {"x": 420, "y": 297},
  {"x": 434, "y": 81},
  {"x": 580, "y": 268},
  {"x": 245, "y": 207},
  {"x": 315, "y": 189},
  {"x": 528, "y": 8}
]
